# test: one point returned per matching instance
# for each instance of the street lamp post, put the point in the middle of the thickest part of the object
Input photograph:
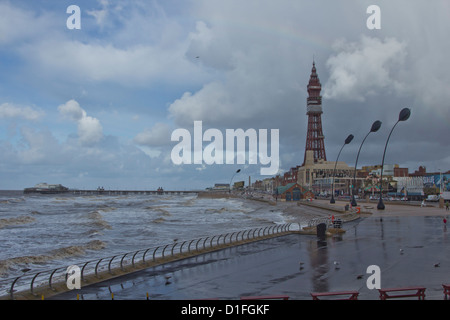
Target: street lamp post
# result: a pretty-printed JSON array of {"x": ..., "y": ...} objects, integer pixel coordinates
[
  {"x": 347, "y": 141},
  {"x": 238, "y": 170},
  {"x": 375, "y": 127},
  {"x": 403, "y": 116}
]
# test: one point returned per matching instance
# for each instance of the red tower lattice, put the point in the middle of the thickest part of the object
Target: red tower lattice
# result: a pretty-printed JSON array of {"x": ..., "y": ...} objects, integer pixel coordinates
[{"x": 314, "y": 136}]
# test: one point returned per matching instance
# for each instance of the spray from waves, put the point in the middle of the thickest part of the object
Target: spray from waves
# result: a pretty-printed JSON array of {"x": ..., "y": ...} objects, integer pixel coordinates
[
  {"x": 14, "y": 264},
  {"x": 16, "y": 221}
]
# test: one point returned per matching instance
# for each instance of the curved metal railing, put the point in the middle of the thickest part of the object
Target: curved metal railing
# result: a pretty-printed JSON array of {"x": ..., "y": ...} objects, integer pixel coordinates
[{"x": 48, "y": 278}]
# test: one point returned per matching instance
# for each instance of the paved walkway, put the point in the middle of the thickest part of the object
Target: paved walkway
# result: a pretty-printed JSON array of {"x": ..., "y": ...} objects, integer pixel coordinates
[{"x": 409, "y": 244}]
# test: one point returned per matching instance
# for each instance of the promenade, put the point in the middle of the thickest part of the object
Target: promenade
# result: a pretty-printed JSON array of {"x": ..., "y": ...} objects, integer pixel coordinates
[{"x": 410, "y": 244}]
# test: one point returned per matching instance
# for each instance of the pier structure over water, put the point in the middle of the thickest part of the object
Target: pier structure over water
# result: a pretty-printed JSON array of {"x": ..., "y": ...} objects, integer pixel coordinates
[{"x": 131, "y": 192}]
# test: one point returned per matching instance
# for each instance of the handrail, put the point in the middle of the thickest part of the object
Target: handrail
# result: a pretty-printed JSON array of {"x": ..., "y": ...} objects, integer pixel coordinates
[{"x": 140, "y": 255}]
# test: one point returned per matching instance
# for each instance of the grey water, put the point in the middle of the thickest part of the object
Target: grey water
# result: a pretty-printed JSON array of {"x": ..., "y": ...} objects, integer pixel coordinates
[{"x": 39, "y": 232}]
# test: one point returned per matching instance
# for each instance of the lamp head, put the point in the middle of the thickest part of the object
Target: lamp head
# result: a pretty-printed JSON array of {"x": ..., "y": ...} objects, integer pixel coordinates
[
  {"x": 404, "y": 114},
  {"x": 349, "y": 139},
  {"x": 375, "y": 126}
]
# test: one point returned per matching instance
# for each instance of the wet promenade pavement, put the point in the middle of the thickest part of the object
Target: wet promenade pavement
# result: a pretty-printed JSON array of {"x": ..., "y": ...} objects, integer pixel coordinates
[{"x": 410, "y": 247}]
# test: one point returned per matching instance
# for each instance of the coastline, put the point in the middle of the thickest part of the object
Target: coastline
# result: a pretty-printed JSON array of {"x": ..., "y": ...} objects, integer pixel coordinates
[{"x": 301, "y": 211}]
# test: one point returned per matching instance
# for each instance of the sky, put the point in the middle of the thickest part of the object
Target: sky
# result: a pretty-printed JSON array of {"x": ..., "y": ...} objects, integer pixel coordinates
[{"x": 97, "y": 105}]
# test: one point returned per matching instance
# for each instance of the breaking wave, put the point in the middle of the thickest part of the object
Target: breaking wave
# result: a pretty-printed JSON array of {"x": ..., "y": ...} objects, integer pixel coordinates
[
  {"x": 212, "y": 211},
  {"x": 96, "y": 220},
  {"x": 161, "y": 210},
  {"x": 16, "y": 221},
  {"x": 61, "y": 253},
  {"x": 159, "y": 220}
]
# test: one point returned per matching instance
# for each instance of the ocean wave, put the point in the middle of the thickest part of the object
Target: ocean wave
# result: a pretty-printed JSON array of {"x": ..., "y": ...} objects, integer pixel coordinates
[
  {"x": 96, "y": 220},
  {"x": 214, "y": 210},
  {"x": 159, "y": 220},
  {"x": 16, "y": 221},
  {"x": 161, "y": 210},
  {"x": 106, "y": 208},
  {"x": 16, "y": 263}
]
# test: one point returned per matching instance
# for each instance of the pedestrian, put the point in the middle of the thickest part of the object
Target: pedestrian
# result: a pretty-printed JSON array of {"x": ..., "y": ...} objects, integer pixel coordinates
[
  {"x": 423, "y": 203},
  {"x": 445, "y": 221},
  {"x": 446, "y": 206}
]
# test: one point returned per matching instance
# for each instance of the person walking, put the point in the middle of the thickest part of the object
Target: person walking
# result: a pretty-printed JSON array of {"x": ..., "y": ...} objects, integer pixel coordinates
[{"x": 446, "y": 205}]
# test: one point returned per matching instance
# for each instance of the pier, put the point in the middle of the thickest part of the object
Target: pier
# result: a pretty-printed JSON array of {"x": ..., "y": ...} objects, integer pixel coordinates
[{"x": 131, "y": 192}]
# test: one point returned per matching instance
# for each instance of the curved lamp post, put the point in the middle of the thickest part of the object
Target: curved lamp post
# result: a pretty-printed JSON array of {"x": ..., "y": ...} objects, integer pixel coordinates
[
  {"x": 238, "y": 170},
  {"x": 403, "y": 116},
  {"x": 347, "y": 141},
  {"x": 375, "y": 127}
]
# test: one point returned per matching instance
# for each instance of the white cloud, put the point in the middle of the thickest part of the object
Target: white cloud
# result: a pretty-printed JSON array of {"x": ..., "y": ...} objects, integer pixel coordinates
[
  {"x": 100, "y": 15},
  {"x": 72, "y": 110},
  {"x": 158, "y": 135},
  {"x": 364, "y": 68},
  {"x": 8, "y": 110},
  {"x": 90, "y": 130}
]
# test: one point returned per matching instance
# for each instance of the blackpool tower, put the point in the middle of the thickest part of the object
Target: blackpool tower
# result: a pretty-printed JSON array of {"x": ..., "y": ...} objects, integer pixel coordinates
[{"x": 314, "y": 136}]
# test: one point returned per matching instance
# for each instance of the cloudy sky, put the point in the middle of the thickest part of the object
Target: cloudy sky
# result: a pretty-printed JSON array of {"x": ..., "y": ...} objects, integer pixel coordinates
[{"x": 96, "y": 106}]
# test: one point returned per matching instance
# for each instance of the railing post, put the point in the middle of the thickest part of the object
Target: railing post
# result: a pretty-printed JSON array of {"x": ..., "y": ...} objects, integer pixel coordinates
[
  {"x": 181, "y": 247},
  {"x": 189, "y": 246},
  {"x": 143, "y": 257},
  {"x": 272, "y": 230},
  {"x": 155, "y": 252},
  {"x": 50, "y": 278},
  {"x": 164, "y": 250},
  {"x": 231, "y": 237},
  {"x": 82, "y": 270},
  {"x": 32, "y": 282},
  {"x": 121, "y": 260},
  {"x": 132, "y": 259},
  {"x": 217, "y": 242},
  {"x": 173, "y": 247},
  {"x": 11, "y": 290},
  {"x": 210, "y": 243},
  {"x": 204, "y": 242},
  {"x": 109, "y": 264},
  {"x": 96, "y": 266},
  {"x": 196, "y": 245}
]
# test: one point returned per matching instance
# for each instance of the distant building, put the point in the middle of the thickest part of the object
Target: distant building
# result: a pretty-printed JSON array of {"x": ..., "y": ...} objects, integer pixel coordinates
[
  {"x": 293, "y": 192},
  {"x": 318, "y": 176},
  {"x": 239, "y": 185},
  {"x": 45, "y": 188},
  {"x": 410, "y": 187},
  {"x": 221, "y": 186},
  {"x": 421, "y": 172},
  {"x": 316, "y": 173},
  {"x": 315, "y": 140}
]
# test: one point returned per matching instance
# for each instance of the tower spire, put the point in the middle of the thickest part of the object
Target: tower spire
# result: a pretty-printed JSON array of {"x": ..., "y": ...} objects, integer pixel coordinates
[{"x": 314, "y": 136}]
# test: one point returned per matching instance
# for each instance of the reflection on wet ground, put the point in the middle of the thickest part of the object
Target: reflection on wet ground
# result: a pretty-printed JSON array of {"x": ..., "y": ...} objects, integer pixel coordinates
[{"x": 410, "y": 251}]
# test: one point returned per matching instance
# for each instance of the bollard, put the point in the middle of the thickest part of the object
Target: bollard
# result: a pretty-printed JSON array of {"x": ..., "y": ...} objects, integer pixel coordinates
[{"x": 321, "y": 229}]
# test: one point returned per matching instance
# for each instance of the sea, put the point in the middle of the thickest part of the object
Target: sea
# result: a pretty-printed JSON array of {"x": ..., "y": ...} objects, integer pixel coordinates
[{"x": 41, "y": 232}]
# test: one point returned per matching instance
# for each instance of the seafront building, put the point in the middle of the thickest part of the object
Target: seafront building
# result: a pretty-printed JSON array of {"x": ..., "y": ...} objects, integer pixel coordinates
[{"x": 316, "y": 174}]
